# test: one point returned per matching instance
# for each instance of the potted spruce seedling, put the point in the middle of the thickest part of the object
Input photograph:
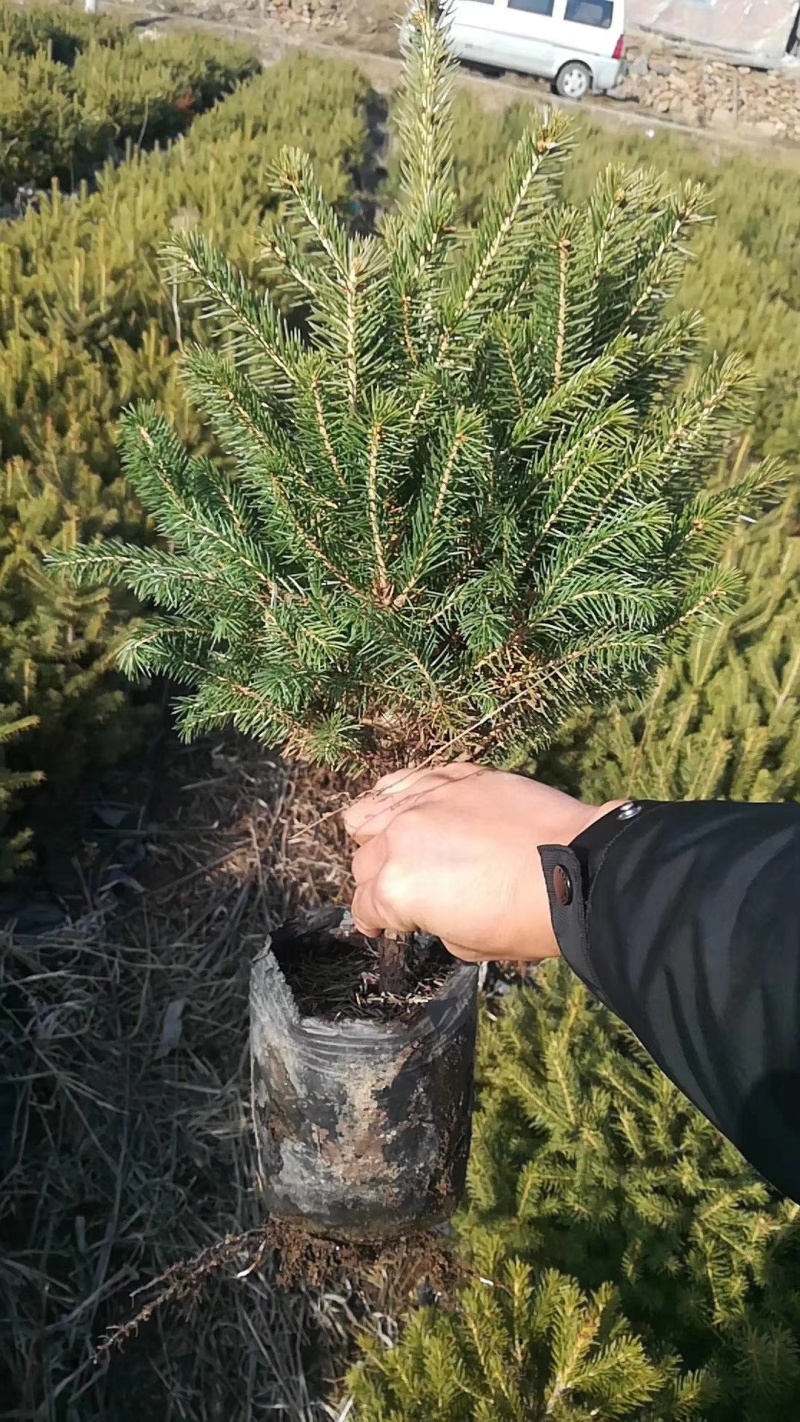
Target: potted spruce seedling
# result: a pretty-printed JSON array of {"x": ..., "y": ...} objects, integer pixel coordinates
[{"x": 466, "y": 499}]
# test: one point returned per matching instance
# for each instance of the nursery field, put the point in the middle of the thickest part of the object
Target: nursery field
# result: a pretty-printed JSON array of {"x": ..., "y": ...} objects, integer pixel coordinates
[
  {"x": 615, "y": 1257},
  {"x": 87, "y": 324}
]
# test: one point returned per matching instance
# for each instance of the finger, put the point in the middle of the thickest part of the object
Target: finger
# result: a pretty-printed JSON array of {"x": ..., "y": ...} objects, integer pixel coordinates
[
  {"x": 372, "y": 813},
  {"x": 370, "y": 816},
  {"x": 398, "y": 780},
  {"x": 369, "y": 930},
  {"x": 374, "y": 914},
  {"x": 467, "y": 955},
  {"x": 411, "y": 779},
  {"x": 369, "y": 860},
  {"x": 366, "y": 915}
]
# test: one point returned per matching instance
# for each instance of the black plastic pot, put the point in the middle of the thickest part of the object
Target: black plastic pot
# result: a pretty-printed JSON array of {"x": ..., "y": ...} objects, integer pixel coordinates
[{"x": 363, "y": 1127}]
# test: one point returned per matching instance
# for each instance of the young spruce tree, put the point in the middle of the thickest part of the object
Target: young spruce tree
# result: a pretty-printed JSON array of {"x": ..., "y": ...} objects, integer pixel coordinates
[
  {"x": 722, "y": 720},
  {"x": 592, "y": 1177},
  {"x": 468, "y": 495}
]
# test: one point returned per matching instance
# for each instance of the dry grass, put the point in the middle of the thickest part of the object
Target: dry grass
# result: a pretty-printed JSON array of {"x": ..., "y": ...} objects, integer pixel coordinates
[{"x": 131, "y": 1143}]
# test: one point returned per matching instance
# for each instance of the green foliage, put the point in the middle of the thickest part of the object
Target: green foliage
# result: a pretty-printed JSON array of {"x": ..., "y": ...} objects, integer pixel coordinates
[
  {"x": 585, "y": 1159},
  {"x": 64, "y": 29},
  {"x": 471, "y": 496},
  {"x": 743, "y": 275},
  {"x": 88, "y": 324},
  {"x": 56, "y": 648},
  {"x": 14, "y": 848},
  {"x": 62, "y": 117},
  {"x": 86, "y": 321},
  {"x": 723, "y": 721},
  {"x": 524, "y": 1347},
  {"x": 588, "y": 1162}
]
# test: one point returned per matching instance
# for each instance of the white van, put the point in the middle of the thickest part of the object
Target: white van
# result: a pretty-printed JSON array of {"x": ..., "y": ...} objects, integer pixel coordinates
[{"x": 578, "y": 44}]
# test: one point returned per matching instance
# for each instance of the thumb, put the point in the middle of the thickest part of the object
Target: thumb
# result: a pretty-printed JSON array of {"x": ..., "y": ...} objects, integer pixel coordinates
[
  {"x": 372, "y": 915},
  {"x": 365, "y": 913}
]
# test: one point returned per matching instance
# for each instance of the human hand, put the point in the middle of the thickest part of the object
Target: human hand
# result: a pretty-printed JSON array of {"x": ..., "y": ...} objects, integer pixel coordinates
[{"x": 453, "y": 851}]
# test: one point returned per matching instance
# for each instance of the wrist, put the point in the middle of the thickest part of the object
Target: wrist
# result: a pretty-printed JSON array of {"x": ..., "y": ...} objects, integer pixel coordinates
[
  {"x": 587, "y": 815},
  {"x": 578, "y": 822}
]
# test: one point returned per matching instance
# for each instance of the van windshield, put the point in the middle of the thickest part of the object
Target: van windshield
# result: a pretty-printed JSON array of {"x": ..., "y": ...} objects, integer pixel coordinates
[{"x": 591, "y": 12}]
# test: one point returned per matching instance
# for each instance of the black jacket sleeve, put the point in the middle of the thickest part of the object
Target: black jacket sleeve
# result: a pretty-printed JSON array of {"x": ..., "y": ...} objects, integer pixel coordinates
[{"x": 684, "y": 919}]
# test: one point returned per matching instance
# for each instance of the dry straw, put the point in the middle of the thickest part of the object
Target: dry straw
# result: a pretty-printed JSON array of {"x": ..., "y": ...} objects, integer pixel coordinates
[{"x": 131, "y": 1143}]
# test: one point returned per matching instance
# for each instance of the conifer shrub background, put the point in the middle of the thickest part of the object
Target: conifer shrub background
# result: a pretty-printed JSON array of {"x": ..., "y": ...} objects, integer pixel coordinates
[
  {"x": 723, "y": 720},
  {"x": 526, "y": 1345},
  {"x": 14, "y": 847},
  {"x": 64, "y": 30},
  {"x": 55, "y": 649},
  {"x": 72, "y": 96},
  {"x": 587, "y": 1162},
  {"x": 87, "y": 324}
]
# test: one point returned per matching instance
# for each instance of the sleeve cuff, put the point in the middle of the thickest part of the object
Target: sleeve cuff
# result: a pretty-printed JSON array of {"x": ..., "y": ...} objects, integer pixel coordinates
[{"x": 570, "y": 872}]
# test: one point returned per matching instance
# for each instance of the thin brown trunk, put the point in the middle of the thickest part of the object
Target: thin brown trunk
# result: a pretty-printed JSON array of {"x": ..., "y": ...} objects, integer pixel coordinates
[{"x": 392, "y": 965}]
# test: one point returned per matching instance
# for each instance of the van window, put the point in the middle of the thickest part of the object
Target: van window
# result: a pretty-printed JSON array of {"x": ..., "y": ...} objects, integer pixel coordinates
[
  {"x": 590, "y": 12},
  {"x": 534, "y": 7}
]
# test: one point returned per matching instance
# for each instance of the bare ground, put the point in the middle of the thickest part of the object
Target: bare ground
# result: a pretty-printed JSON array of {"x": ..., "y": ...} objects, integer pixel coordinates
[{"x": 129, "y": 1187}]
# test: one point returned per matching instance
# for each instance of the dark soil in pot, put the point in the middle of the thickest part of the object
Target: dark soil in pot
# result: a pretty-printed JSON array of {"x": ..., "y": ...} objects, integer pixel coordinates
[
  {"x": 362, "y": 1097},
  {"x": 338, "y": 975}
]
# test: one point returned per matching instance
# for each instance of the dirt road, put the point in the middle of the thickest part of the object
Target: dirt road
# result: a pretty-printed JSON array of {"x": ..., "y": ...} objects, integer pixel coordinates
[{"x": 273, "y": 38}]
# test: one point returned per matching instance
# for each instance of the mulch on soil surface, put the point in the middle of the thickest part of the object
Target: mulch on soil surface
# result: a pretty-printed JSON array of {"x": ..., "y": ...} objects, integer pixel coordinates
[
  {"x": 132, "y": 1149},
  {"x": 338, "y": 975}
]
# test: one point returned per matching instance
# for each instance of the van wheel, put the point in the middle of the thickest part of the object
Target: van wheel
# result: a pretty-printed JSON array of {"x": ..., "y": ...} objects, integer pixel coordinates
[{"x": 573, "y": 81}]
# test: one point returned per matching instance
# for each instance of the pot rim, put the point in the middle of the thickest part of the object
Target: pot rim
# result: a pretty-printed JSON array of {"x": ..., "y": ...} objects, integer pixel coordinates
[{"x": 433, "y": 1024}]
